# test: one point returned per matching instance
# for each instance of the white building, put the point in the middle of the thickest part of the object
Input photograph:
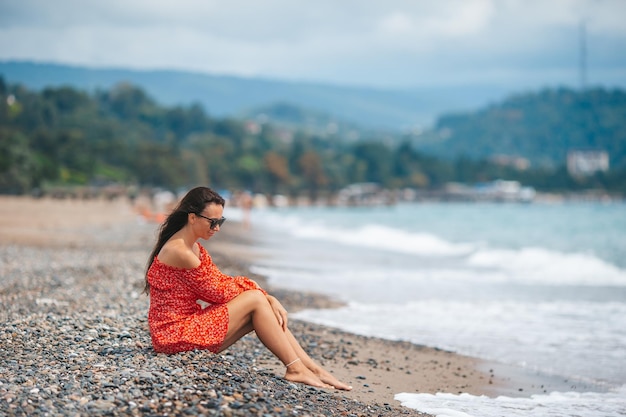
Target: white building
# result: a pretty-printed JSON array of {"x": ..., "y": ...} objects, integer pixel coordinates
[{"x": 581, "y": 163}]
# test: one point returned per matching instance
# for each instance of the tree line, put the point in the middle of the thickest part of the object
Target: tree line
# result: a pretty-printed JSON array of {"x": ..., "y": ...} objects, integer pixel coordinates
[{"x": 67, "y": 137}]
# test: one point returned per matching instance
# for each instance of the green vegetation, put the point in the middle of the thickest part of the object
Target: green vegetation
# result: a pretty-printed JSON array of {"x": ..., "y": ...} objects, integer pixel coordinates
[
  {"x": 540, "y": 127},
  {"x": 62, "y": 136}
]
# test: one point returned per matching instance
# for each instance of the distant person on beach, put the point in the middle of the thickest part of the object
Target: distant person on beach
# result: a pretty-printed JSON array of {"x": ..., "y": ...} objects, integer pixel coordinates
[
  {"x": 245, "y": 202},
  {"x": 180, "y": 272}
]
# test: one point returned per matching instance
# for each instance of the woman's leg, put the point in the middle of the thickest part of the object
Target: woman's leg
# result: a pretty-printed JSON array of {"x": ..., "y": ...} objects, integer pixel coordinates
[
  {"x": 232, "y": 338},
  {"x": 251, "y": 309},
  {"x": 323, "y": 374}
]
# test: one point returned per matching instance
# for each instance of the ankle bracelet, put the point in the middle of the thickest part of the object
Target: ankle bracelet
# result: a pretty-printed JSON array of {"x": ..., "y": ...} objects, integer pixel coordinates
[{"x": 292, "y": 362}]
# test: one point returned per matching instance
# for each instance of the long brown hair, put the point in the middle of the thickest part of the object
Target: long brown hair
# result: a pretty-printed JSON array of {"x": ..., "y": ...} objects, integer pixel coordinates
[{"x": 193, "y": 202}]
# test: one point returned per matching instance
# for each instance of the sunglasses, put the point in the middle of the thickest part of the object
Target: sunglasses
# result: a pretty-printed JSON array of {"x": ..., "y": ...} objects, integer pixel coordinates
[{"x": 214, "y": 222}]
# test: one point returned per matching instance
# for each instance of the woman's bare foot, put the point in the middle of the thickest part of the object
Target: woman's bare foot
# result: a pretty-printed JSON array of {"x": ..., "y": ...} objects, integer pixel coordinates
[
  {"x": 329, "y": 379},
  {"x": 302, "y": 374}
]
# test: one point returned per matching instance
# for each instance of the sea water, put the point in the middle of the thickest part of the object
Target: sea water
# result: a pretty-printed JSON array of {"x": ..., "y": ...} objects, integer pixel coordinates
[{"x": 539, "y": 286}]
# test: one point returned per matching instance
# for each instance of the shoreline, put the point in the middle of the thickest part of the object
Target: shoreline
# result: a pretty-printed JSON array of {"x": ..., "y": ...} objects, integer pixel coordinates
[
  {"x": 76, "y": 268},
  {"x": 400, "y": 366}
]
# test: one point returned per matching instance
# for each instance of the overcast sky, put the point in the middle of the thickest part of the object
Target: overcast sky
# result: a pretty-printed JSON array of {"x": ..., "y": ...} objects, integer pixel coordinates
[{"x": 380, "y": 43}]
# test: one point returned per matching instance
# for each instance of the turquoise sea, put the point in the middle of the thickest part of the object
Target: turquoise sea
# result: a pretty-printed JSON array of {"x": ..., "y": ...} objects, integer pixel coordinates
[{"x": 540, "y": 286}]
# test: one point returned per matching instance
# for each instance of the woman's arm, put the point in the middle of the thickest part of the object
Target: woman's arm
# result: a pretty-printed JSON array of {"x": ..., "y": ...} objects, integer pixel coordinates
[
  {"x": 279, "y": 311},
  {"x": 213, "y": 286}
]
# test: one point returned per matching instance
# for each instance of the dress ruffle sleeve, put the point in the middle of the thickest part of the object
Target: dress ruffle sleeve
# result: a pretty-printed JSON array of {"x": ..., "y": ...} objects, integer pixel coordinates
[{"x": 212, "y": 285}]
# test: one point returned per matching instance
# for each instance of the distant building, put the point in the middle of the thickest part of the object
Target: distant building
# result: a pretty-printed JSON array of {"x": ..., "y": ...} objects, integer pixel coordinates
[
  {"x": 364, "y": 194},
  {"x": 503, "y": 191},
  {"x": 581, "y": 163},
  {"x": 494, "y": 191},
  {"x": 517, "y": 162},
  {"x": 253, "y": 127}
]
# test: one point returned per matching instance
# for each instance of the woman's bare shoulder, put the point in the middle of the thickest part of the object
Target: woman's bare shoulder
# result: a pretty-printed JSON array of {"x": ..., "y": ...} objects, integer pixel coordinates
[{"x": 175, "y": 253}]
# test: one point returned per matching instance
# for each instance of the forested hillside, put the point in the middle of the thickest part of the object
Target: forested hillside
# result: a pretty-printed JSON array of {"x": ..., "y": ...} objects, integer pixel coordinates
[
  {"x": 63, "y": 137},
  {"x": 541, "y": 127}
]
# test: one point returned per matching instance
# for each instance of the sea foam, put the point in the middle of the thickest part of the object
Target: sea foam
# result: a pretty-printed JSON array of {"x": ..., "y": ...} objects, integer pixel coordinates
[
  {"x": 525, "y": 265},
  {"x": 542, "y": 266},
  {"x": 556, "y": 404},
  {"x": 386, "y": 238}
]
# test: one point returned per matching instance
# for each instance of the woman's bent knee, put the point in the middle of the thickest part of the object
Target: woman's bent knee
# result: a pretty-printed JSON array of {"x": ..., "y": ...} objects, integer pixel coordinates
[
  {"x": 244, "y": 306},
  {"x": 256, "y": 295},
  {"x": 251, "y": 298}
]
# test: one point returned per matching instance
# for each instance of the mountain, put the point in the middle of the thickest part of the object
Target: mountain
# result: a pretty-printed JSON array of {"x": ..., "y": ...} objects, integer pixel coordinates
[
  {"x": 541, "y": 127},
  {"x": 223, "y": 95}
]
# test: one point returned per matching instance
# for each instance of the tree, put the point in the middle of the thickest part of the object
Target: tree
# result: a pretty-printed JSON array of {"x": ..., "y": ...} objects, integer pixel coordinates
[
  {"x": 128, "y": 102},
  {"x": 312, "y": 172},
  {"x": 375, "y": 161},
  {"x": 18, "y": 164},
  {"x": 277, "y": 167},
  {"x": 250, "y": 170}
]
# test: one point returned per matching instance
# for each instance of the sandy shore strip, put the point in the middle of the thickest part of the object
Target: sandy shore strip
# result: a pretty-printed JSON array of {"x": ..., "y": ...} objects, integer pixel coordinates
[{"x": 74, "y": 339}]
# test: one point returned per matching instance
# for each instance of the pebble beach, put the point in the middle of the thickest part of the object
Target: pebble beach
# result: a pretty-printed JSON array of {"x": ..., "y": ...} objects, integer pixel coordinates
[{"x": 74, "y": 339}]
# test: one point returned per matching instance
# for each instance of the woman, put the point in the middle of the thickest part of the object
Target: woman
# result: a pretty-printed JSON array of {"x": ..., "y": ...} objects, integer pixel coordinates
[{"x": 180, "y": 272}]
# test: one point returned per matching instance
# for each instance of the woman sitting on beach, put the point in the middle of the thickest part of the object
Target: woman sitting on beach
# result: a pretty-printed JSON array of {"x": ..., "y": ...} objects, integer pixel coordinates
[{"x": 180, "y": 272}]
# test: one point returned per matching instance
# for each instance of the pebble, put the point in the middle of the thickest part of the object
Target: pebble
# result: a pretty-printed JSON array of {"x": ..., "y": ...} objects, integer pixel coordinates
[{"x": 75, "y": 342}]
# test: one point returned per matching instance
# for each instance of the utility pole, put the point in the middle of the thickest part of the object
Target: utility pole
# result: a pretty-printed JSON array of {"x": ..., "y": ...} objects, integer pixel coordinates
[{"x": 583, "y": 55}]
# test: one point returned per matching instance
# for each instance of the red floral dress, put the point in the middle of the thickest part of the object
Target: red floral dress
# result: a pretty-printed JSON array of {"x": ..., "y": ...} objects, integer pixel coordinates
[{"x": 177, "y": 322}]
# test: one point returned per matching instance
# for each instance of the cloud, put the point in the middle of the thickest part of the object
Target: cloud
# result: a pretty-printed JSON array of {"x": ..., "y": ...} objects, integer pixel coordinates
[{"x": 392, "y": 43}]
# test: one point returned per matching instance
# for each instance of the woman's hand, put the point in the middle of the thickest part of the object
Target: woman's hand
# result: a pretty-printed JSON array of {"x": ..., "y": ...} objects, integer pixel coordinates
[{"x": 279, "y": 311}]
